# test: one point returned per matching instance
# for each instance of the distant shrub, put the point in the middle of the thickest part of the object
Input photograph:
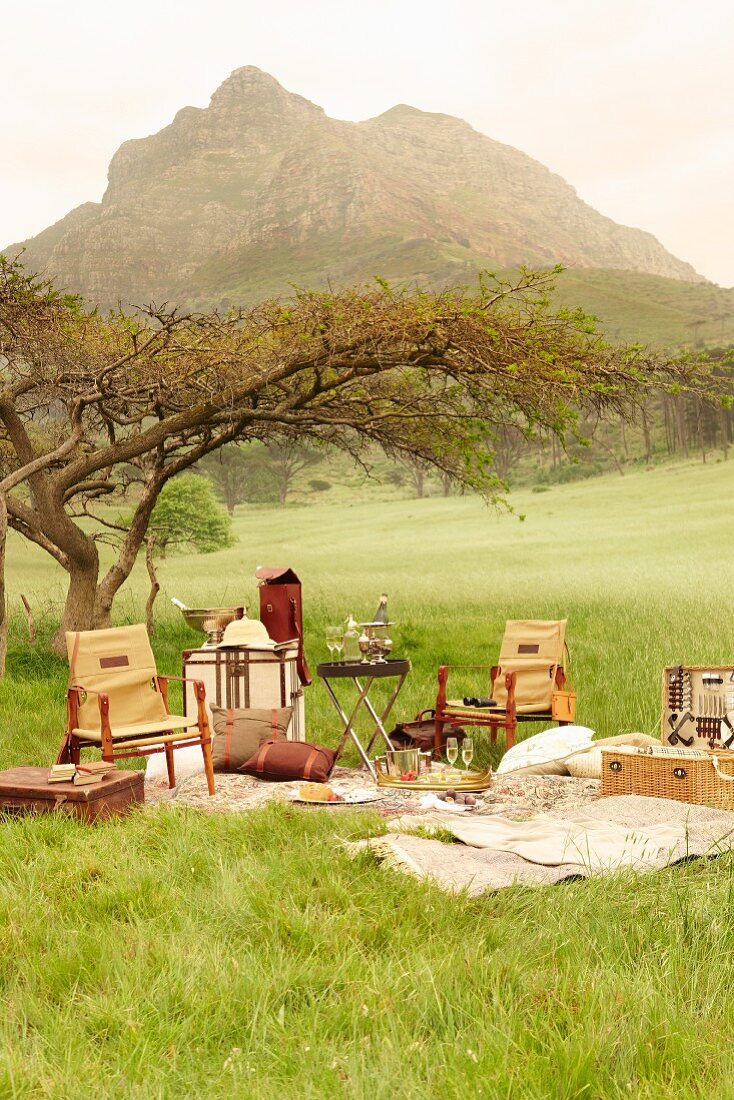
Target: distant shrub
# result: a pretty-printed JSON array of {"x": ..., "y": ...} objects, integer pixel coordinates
[
  {"x": 318, "y": 485},
  {"x": 572, "y": 471}
]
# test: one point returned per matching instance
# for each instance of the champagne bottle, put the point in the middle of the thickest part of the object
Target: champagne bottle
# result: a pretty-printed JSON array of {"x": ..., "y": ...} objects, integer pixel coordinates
[{"x": 380, "y": 617}]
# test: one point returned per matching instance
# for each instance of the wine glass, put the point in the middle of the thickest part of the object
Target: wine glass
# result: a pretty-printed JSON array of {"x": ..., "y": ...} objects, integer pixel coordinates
[
  {"x": 467, "y": 751},
  {"x": 452, "y": 750},
  {"x": 334, "y": 639}
]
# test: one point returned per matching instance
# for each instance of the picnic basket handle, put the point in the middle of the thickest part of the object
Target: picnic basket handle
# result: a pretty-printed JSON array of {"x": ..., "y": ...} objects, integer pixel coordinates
[{"x": 721, "y": 775}]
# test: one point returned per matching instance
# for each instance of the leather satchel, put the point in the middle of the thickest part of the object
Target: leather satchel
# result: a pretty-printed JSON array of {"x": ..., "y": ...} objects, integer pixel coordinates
[
  {"x": 284, "y": 761},
  {"x": 281, "y": 610},
  {"x": 420, "y": 733}
]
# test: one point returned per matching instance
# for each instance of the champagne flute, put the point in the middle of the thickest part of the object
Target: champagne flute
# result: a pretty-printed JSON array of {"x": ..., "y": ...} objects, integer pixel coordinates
[
  {"x": 334, "y": 639},
  {"x": 467, "y": 751},
  {"x": 452, "y": 751}
]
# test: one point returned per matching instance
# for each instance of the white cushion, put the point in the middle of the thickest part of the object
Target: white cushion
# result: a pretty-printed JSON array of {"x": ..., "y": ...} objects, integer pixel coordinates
[
  {"x": 585, "y": 765},
  {"x": 545, "y": 753},
  {"x": 186, "y": 762}
]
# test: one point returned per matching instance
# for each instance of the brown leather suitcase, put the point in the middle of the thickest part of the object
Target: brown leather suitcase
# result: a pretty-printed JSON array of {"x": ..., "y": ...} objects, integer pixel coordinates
[{"x": 27, "y": 790}]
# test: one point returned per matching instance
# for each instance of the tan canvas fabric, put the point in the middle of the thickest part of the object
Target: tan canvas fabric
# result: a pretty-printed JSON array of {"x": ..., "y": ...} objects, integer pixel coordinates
[
  {"x": 140, "y": 729},
  {"x": 533, "y": 648},
  {"x": 120, "y": 662}
]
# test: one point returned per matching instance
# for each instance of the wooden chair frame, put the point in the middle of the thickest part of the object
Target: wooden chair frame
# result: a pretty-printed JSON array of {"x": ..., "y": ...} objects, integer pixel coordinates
[
  {"x": 147, "y": 744},
  {"x": 506, "y": 718}
]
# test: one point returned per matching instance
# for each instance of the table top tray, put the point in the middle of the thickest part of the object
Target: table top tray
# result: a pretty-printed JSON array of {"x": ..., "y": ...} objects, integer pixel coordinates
[
  {"x": 473, "y": 781},
  {"x": 332, "y": 670}
]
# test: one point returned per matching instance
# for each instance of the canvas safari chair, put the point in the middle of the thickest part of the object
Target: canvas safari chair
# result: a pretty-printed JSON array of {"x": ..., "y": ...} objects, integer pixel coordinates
[
  {"x": 526, "y": 685},
  {"x": 117, "y": 702}
]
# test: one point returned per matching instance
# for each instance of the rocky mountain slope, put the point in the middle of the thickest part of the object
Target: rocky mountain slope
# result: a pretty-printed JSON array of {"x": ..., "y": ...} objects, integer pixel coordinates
[{"x": 261, "y": 190}]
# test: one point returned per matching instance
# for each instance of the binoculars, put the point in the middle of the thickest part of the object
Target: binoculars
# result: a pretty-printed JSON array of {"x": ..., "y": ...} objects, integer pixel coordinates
[{"x": 472, "y": 701}]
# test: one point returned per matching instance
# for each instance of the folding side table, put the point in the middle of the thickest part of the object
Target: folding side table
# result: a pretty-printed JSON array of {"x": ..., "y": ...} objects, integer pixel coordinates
[{"x": 363, "y": 675}]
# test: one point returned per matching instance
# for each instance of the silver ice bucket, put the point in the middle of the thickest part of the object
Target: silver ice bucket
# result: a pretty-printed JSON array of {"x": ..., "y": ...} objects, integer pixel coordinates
[{"x": 400, "y": 761}]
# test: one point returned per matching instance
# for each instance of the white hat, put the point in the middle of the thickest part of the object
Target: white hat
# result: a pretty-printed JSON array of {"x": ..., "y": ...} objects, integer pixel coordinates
[{"x": 246, "y": 634}]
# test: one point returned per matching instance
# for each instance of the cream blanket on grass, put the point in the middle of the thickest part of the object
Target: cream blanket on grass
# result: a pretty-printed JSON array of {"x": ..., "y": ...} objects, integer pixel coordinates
[{"x": 624, "y": 831}]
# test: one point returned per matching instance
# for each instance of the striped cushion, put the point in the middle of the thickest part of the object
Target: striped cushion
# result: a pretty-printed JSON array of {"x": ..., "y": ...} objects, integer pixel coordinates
[{"x": 238, "y": 733}]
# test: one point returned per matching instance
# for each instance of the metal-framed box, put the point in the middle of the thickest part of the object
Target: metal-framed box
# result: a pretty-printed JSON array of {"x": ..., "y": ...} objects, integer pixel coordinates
[
  {"x": 698, "y": 706},
  {"x": 243, "y": 677}
]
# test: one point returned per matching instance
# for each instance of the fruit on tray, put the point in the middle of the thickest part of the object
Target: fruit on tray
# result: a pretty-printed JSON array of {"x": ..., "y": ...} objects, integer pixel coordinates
[
  {"x": 458, "y": 797},
  {"x": 408, "y": 777}
]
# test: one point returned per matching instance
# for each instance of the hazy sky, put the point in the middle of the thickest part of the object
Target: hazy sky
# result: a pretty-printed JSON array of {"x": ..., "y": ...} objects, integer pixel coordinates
[{"x": 631, "y": 101}]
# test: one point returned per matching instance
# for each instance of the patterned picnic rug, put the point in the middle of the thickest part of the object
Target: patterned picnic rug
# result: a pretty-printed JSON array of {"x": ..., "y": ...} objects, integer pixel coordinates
[{"x": 517, "y": 798}]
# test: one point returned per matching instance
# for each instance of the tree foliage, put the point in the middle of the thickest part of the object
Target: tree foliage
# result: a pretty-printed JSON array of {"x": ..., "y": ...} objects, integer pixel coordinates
[
  {"x": 97, "y": 409},
  {"x": 187, "y": 514}
]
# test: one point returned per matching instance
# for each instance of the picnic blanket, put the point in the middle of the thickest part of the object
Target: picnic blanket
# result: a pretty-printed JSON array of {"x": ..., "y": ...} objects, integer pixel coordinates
[
  {"x": 624, "y": 831},
  {"x": 524, "y": 796}
]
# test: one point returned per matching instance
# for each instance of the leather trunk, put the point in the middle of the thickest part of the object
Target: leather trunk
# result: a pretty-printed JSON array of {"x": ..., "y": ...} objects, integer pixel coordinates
[{"x": 27, "y": 790}]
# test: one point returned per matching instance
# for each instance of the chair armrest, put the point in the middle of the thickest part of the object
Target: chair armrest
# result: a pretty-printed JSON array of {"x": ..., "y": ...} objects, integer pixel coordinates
[
  {"x": 199, "y": 689},
  {"x": 483, "y": 666},
  {"x": 80, "y": 687},
  {"x": 73, "y": 698}
]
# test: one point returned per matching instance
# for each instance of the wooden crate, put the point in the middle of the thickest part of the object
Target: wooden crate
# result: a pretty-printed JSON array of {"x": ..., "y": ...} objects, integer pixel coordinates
[
  {"x": 27, "y": 790},
  {"x": 706, "y": 779}
]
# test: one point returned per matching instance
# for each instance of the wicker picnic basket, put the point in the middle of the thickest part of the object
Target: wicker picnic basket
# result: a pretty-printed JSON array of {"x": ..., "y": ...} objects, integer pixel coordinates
[{"x": 704, "y": 778}]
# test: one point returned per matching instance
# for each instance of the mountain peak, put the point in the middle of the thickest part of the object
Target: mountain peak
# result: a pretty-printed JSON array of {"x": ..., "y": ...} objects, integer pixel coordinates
[
  {"x": 404, "y": 112},
  {"x": 249, "y": 86},
  {"x": 262, "y": 189}
]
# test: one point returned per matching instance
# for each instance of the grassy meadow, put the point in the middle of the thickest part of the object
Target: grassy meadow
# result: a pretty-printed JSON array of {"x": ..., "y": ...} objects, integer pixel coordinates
[{"x": 181, "y": 954}]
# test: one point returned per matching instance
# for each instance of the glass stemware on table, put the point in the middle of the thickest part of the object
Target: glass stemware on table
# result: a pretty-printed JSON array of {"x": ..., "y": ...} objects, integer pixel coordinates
[{"x": 335, "y": 641}]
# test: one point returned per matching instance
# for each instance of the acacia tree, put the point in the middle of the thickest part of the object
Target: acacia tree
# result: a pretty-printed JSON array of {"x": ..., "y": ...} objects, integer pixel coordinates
[{"x": 95, "y": 408}]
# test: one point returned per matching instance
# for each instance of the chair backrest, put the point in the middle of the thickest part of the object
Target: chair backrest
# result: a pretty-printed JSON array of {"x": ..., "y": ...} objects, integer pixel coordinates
[
  {"x": 533, "y": 648},
  {"x": 120, "y": 662}
]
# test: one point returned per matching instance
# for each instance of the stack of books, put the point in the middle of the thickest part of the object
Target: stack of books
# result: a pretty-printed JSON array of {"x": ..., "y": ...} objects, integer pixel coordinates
[
  {"x": 62, "y": 773},
  {"x": 81, "y": 774}
]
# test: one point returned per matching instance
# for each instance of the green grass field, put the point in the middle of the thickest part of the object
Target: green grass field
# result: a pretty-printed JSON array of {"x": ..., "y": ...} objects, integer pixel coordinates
[{"x": 178, "y": 954}]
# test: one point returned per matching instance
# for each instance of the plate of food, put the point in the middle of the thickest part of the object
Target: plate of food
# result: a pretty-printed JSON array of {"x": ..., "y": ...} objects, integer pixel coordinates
[{"x": 322, "y": 794}]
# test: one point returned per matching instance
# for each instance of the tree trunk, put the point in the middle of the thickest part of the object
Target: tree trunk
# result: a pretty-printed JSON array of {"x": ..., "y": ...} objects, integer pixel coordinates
[
  {"x": 155, "y": 585},
  {"x": 32, "y": 633},
  {"x": 646, "y": 436},
  {"x": 118, "y": 573},
  {"x": 79, "y": 609}
]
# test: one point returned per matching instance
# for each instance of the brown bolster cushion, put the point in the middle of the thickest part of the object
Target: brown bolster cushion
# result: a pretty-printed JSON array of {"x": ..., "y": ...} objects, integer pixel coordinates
[
  {"x": 282, "y": 761},
  {"x": 238, "y": 733}
]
